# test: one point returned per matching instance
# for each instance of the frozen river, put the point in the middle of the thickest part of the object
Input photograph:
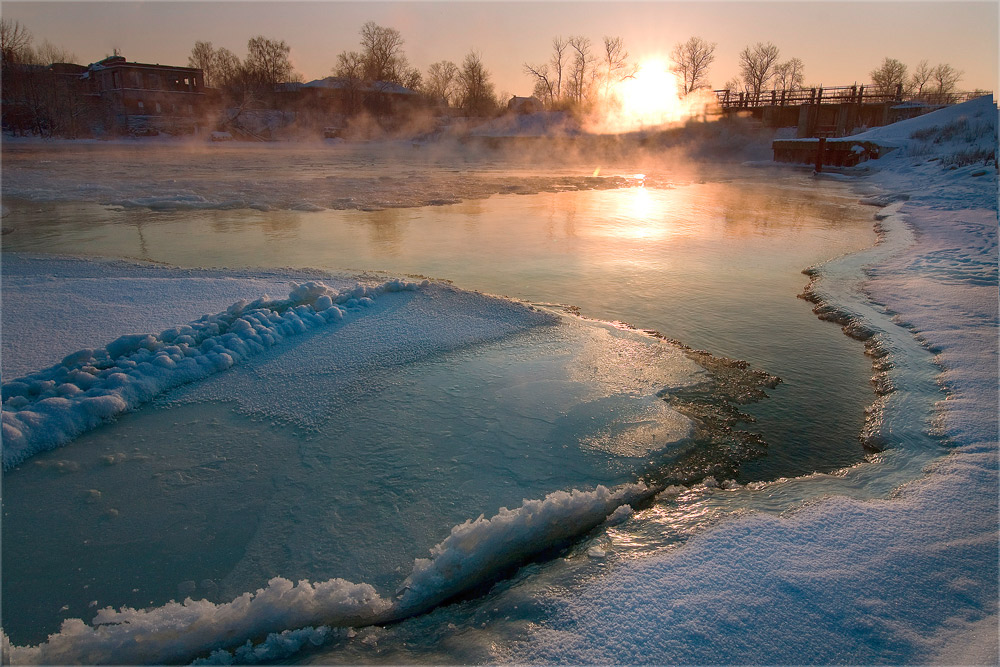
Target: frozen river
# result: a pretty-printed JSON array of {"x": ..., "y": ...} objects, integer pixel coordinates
[{"x": 352, "y": 456}]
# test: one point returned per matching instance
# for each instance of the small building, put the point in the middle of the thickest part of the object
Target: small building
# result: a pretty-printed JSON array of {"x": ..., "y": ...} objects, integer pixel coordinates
[
  {"x": 524, "y": 105},
  {"x": 143, "y": 98}
]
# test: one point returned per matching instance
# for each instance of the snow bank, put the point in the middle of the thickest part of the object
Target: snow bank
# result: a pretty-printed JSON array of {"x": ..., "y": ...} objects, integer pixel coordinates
[
  {"x": 293, "y": 615},
  {"x": 278, "y": 645},
  {"x": 46, "y": 409},
  {"x": 906, "y": 580},
  {"x": 476, "y": 551},
  {"x": 179, "y": 631},
  {"x": 55, "y": 306},
  {"x": 902, "y": 133}
]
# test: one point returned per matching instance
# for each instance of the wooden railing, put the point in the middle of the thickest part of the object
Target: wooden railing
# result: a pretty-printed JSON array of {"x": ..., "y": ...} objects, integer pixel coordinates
[{"x": 856, "y": 94}]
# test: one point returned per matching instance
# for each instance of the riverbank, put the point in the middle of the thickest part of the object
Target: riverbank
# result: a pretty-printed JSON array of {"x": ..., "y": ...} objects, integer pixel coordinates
[{"x": 909, "y": 579}]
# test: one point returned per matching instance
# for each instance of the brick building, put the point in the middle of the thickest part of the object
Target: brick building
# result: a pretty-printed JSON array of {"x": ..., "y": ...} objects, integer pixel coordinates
[{"x": 142, "y": 98}]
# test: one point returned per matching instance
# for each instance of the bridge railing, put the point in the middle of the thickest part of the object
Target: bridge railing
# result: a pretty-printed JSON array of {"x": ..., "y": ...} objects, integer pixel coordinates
[{"x": 856, "y": 94}]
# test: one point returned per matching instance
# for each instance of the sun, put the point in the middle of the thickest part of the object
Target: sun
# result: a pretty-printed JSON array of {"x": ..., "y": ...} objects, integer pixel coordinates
[{"x": 649, "y": 99}]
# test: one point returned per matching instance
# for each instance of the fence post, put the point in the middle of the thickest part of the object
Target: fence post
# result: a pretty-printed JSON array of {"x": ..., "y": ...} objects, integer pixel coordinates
[
  {"x": 812, "y": 96},
  {"x": 819, "y": 154},
  {"x": 819, "y": 96}
]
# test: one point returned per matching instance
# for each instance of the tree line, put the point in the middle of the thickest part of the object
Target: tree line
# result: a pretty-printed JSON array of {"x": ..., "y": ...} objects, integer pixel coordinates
[
  {"x": 379, "y": 63},
  {"x": 578, "y": 74},
  {"x": 35, "y": 98}
]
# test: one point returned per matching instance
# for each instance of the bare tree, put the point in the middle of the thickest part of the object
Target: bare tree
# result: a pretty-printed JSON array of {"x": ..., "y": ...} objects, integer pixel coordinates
[
  {"x": 945, "y": 78},
  {"x": 268, "y": 61},
  {"x": 15, "y": 41},
  {"x": 442, "y": 82},
  {"x": 227, "y": 69},
  {"x": 351, "y": 70},
  {"x": 558, "y": 63},
  {"x": 616, "y": 65},
  {"x": 412, "y": 78},
  {"x": 920, "y": 78},
  {"x": 757, "y": 66},
  {"x": 582, "y": 70},
  {"x": 691, "y": 61},
  {"x": 544, "y": 89},
  {"x": 203, "y": 57},
  {"x": 475, "y": 88},
  {"x": 889, "y": 77},
  {"x": 48, "y": 53},
  {"x": 382, "y": 53},
  {"x": 789, "y": 75}
]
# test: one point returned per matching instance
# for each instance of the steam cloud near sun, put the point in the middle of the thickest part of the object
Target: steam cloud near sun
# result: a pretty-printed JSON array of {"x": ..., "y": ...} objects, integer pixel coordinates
[{"x": 647, "y": 100}]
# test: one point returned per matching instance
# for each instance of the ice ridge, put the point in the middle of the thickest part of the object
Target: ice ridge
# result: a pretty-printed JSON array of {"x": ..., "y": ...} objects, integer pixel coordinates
[
  {"x": 292, "y": 615},
  {"x": 51, "y": 407}
]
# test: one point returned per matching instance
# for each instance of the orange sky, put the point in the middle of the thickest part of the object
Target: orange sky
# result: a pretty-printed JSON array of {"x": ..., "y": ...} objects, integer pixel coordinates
[{"x": 839, "y": 42}]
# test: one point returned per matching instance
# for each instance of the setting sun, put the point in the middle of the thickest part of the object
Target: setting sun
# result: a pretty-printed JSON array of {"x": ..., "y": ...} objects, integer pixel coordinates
[{"x": 650, "y": 98}]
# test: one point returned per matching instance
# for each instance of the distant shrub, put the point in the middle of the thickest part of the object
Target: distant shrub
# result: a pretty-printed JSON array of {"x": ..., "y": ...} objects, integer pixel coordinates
[
  {"x": 960, "y": 130},
  {"x": 984, "y": 156}
]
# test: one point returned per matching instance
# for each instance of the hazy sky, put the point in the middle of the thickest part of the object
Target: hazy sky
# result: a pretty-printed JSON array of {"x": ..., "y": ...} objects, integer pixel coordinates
[{"x": 839, "y": 42}]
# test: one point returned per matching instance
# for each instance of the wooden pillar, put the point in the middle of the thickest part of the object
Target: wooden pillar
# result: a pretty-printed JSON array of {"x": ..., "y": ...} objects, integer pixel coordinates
[{"x": 819, "y": 154}]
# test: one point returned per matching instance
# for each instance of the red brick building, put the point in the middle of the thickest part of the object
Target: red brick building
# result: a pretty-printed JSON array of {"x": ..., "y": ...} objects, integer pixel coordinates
[{"x": 142, "y": 98}]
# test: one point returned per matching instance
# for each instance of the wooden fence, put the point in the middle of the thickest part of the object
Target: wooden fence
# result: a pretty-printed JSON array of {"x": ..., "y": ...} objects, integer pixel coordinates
[{"x": 837, "y": 95}]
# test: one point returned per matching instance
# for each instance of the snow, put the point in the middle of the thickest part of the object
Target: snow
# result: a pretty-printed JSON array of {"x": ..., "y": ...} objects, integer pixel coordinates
[
  {"x": 90, "y": 386},
  {"x": 106, "y": 299},
  {"x": 909, "y": 579}
]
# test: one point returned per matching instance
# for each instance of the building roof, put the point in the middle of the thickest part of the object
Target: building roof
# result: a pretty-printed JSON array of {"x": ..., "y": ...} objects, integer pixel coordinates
[
  {"x": 119, "y": 61},
  {"x": 340, "y": 83}
]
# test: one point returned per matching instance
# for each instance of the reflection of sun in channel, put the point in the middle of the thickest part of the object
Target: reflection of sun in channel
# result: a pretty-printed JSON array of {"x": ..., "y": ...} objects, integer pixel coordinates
[
  {"x": 650, "y": 98},
  {"x": 641, "y": 203}
]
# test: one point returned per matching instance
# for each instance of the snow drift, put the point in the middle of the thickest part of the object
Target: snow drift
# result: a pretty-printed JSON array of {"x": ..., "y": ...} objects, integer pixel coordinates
[{"x": 46, "y": 409}]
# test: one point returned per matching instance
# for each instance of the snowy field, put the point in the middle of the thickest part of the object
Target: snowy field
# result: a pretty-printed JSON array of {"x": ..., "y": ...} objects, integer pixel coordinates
[{"x": 825, "y": 568}]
